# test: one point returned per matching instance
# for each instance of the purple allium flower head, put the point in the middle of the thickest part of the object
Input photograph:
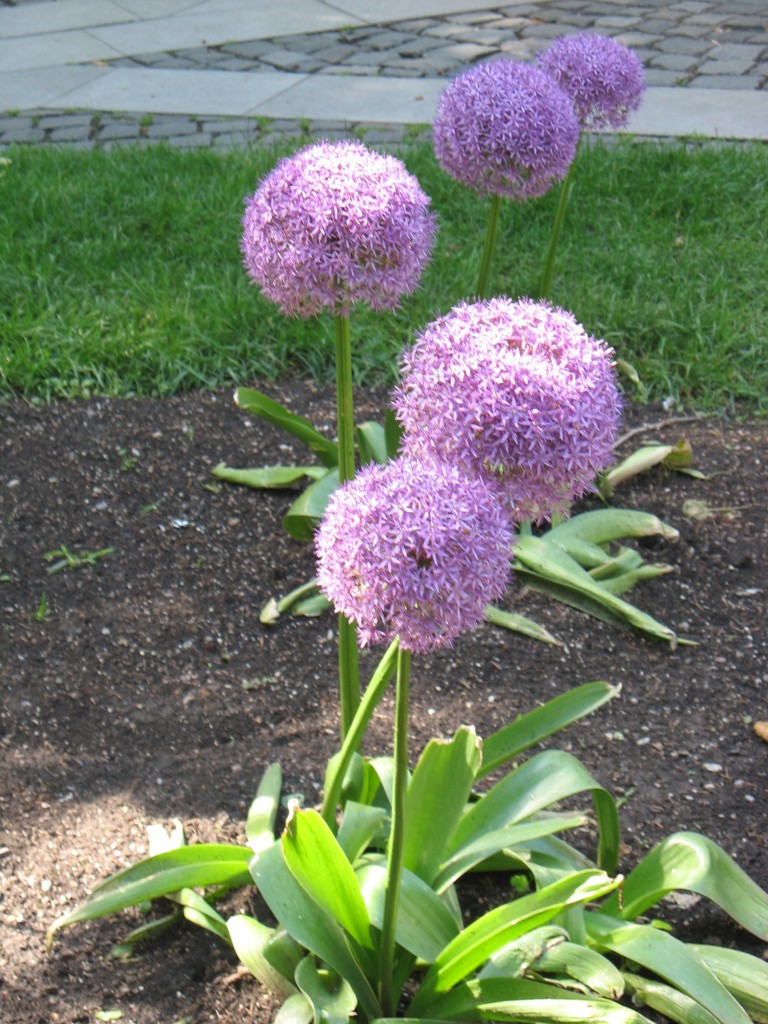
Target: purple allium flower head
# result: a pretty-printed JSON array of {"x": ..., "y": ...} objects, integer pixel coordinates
[
  {"x": 505, "y": 128},
  {"x": 414, "y": 549},
  {"x": 517, "y": 392},
  {"x": 337, "y": 224},
  {"x": 603, "y": 78}
]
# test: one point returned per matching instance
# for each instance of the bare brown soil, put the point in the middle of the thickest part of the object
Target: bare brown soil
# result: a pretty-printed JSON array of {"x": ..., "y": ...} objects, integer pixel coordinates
[{"x": 148, "y": 689}]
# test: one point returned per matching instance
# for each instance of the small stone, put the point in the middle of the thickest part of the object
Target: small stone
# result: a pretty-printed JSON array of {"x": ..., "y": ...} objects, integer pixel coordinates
[{"x": 712, "y": 766}]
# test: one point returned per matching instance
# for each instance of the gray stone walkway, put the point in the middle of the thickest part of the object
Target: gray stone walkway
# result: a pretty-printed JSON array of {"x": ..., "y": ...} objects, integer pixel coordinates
[{"x": 706, "y": 66}]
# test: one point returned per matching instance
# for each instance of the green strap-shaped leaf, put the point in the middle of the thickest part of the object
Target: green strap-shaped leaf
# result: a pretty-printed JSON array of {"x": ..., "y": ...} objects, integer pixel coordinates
[
  {"x": 491, "y": 932},
  {"x": 522, "y": 999},
  {"x": 585, "y": 966},
  {"x": 393, "y": 433},
  {"x": 424, "y": 923},
  {"x": 273, "y": 412},
  {"x": 520, "y": 624},
  {"x": 547, "y": 567},
  {"x": 621, "y": 584},
  {"x": 198, "y": 911},
  {"x": 320, "y": 866},
  {"x": 666, "y": 1000},
  {"x": 372, "y": 443},
  {"x": 664, "y": 955},
  {"x": 437, "y": 795},
  {"x": 673, "y": 456},
  {"x": 687, "y": 860},
  {"x": 537, "y": 725},
  {"x": 544, "y": 780},
  {"x": 332, "y": 999},
  {"x": 359, "y": 825},
  {"x": 268, "y": 477},
  {"x": 514, "y": 959},
  {"x": 480, "y": 852},
  {"x": 305, "y": 513},
  {"x": 609, "y": 524},
  {"x": 260, "y": 822},
  {"x": 297, "y": 1009},
  {"x": 205, "y": 864},
  {"x": 310, "y": 925},
  {"x": 250, "y": 939},
  {"x": 745, "y": 977}
]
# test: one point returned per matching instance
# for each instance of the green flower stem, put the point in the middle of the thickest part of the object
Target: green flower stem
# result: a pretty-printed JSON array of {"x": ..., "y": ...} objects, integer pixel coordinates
[
  {"x": 338, "y": 765},
  {"x": 396, "y": 835},
  {"x": 490, "y": 245},
  {"x": 349, "y": 671},
  {"x": 565, "y": 195}
]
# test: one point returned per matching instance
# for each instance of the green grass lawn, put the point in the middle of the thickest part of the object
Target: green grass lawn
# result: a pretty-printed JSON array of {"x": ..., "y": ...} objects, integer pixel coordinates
[{"x": 122, "y": 271}]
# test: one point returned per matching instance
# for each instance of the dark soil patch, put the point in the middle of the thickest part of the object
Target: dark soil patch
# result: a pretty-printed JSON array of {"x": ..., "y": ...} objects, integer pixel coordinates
[{"x": 151, "y": 689}]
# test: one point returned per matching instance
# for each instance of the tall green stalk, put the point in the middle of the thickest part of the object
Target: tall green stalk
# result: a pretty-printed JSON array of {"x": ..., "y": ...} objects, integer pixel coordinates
[
  {"x": 349, "y": 670},
  {"x": 396, "y": 835},
  {"x": 565, "y": 195},
  {"x": 339, "y": 763},
  {"x": 490, "y": 245}
]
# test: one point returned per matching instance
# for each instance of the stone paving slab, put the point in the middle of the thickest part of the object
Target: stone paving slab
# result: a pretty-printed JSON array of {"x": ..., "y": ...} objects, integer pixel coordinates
[{"x": 350, "y": 64}]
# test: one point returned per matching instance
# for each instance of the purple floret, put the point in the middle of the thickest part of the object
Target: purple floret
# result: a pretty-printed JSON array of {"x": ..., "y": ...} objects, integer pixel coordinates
[
  {"x": 604, "y": 79},
  {"x": 414, "y": 550},
  {"x": 334, "y": 225},
  {"x": 516, "y": 392},
  {"x": 505, "y": 128}
]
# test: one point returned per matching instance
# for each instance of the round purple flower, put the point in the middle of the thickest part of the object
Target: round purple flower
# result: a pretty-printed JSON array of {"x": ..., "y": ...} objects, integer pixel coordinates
[
  {"x": 414, "y": 550},
  {"x": 334, "y": 225},
  {"x": 517, "y": 392},
  {"x": 505, "y": 128},
  {"x": 603, "y": 78}
]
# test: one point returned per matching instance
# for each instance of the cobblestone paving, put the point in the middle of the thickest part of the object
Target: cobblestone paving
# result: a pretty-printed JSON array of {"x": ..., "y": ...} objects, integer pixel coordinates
[{"x": 698, "y": 44}]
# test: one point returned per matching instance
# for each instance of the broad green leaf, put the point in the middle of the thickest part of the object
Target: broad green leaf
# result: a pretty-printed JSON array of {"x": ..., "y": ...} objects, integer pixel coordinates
[
  {"x": 687, "y": 860},
  {"x": 479, "y": 851},
  {"x": 745, "y": 977},
  {"x": 522, "y": 999},
  {"x": 671, "y": 456},
  {"x": 260, "y": 823},
  {"x": 332, "y": 999},
  {"x": 268, "y": 477},
  {"x": 540, "y": 782},
  {"x": 250, "y": 939},
  {"x": 624, "y": 582},
  {"x": 547, "y": 567},
  {"x": 666, "y": 1000},
  {"x": 609, "y": 524},
  {"x": 320, "y": 866},
  {"x": 205, "y": 864},
  {"x": 514, "y": 959},
  {"x": 424, "y": 924},
  {"x": 372, "y": 443},
  {"x": 310, "y": 925},
  {"x": 537, "y": 725},
  {"x": 491, "y": 932},
  {"x": 520, "y": 624},
  {"x": 359, "y": 825},
  {"x": 393, "y": 433},
  {"x": 198, "y": 911},
  {"x": 313, "y": 606},
  {"x": 296, "y": 1009},
  {"x": 662, "y": 954},
  {"x": 585, "y": 966},
  {"x": 437, "y": 795},
  {"x": 273, "y": 609},
  {"x": 305, "y": 513},
  {"x": 259, "y": 404}
]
